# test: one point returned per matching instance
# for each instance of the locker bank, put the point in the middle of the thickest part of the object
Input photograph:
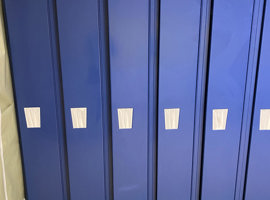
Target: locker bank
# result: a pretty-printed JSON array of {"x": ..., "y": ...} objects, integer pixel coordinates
[{"x": 134, "y": 100}]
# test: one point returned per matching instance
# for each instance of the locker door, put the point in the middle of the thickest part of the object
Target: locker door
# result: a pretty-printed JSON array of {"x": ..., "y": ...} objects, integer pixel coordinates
[
  {"x": 128, "y": 35},
  {"x": 258, "y": 176},
  {"x": 230, "y": 39},
  {"x": 36, "y": 84},
  {"x": 80, "y": 53},
  {"x": 179, "y": 42}
]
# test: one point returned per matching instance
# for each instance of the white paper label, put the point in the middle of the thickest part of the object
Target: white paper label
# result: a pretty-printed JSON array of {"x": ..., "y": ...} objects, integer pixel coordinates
[
  {"x": 219, "y": 119},
  {"x": 79, "y": 117},
  {"x": 265, "y": 119},
  {"x": 125, "y": 117},
  {"x": 32, "y": 116},
  {"x": 171, "y": 118}
]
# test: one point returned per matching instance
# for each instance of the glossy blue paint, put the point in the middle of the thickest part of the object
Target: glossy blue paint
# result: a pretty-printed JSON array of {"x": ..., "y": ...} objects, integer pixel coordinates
[
  {"x": 133, "y": 48},
  {"x": 128, "y": 36},
  {"x": 249, "y": 97},
  {"x": 200, "y": 98},
  {"x": 230, "y": 40},
  {"x": 36, "y": 82},
  {"x": 178, "y": 61},
  {"x": 258, "y": 175},
  {"x": 81, "y": 72}
]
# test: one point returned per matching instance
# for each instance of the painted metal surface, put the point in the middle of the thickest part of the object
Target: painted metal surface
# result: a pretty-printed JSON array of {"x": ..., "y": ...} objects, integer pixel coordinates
[
  {"x": 230, "y": 39},
  {"x": 34, "y": 67},
  {"x": 78, "y": 23},
  {"x": 128, "y": 36},
  {"x": 249, "y": 97},
  {"x": 200, "y": 98},
  {"x": 178, "y": 58},
  {"x": 258, "y": 175},
  {"x": 133, "y": 55}
]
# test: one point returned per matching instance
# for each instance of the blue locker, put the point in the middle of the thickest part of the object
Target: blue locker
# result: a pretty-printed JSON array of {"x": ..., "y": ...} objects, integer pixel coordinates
[
  {"x": 80, "y": 48},
  {"x": 254, "y": 47},
  {"x": 35, "y": 71},
  {"x": 258, "y": 174},
  {"x": 178, "y": 73},
  {"x": 228, "y": 68},
  {"x": 128, "y": 36}
]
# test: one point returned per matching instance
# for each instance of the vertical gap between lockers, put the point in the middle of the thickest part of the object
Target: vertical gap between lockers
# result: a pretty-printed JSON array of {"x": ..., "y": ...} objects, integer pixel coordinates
[
  {"x": 242, "y": 155},
  {"x": 254, "y": 97},
  {"x": 200, "y": 97},
  {"x": 206, "y": 93},
  {"x": 59, "y": 96},
  {"x": 103, "y": 24},
  {"x": 153, "y": 76}
]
